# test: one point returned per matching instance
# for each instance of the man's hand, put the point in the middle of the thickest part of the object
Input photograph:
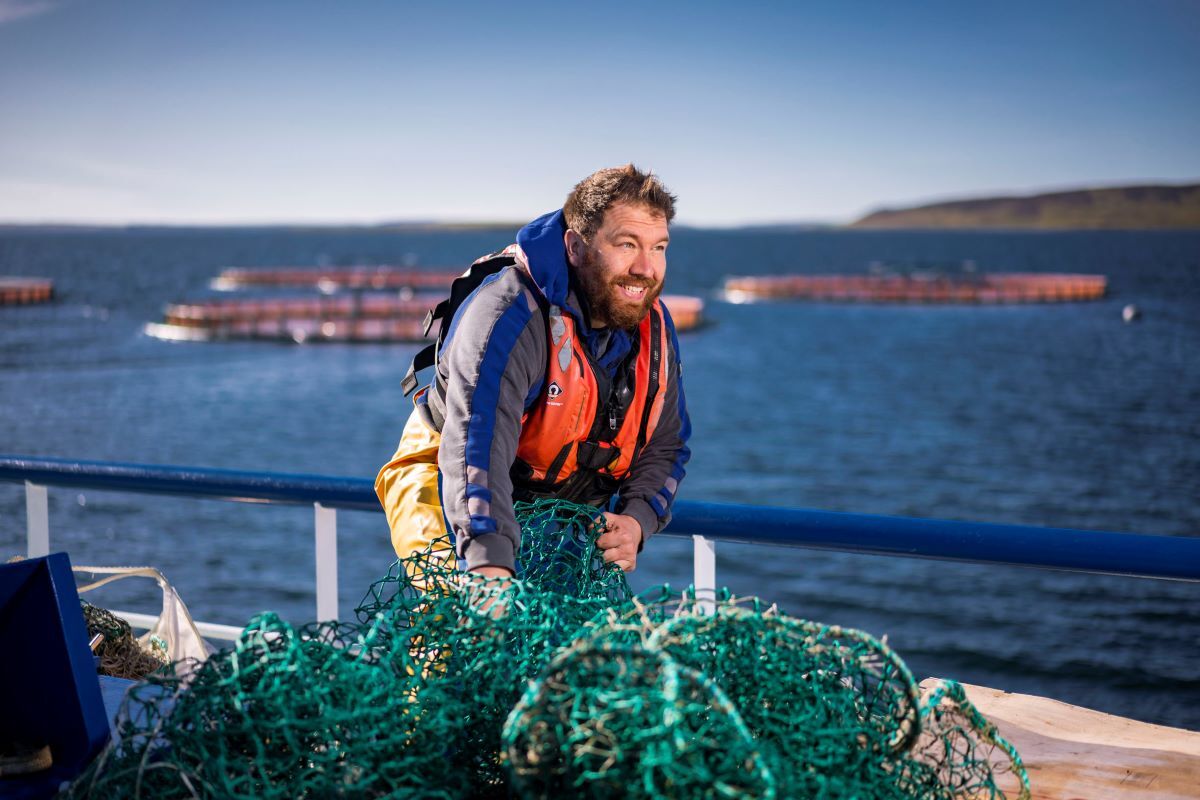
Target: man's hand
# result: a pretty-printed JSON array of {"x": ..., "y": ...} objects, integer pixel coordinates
[
  {"x": 621, "y": 540},
  {"x": 492, "y": 572},
  {"x": 491, "y": 604}
]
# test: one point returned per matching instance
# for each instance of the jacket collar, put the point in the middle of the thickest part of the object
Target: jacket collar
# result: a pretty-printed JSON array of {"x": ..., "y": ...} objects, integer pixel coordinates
[
  {"x": 541, "y": 242},
  {"x": 546, "y": 257}
]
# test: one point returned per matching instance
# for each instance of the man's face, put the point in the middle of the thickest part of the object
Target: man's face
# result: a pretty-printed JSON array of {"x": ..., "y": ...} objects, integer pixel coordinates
[{"x": 623, "y": 268}]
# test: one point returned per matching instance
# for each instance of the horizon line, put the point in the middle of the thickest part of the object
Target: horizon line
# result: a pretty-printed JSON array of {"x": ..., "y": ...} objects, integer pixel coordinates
[
  {"x": 492, "y": 224},
  {"x": 405, "y": 224}
]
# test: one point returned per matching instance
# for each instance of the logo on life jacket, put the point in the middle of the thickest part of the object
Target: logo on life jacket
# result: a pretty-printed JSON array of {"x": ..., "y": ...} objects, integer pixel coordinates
[{"x": 553, "y": 390}]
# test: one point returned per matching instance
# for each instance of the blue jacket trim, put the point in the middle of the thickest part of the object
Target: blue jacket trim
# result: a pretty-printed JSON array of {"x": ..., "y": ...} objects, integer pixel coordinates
[
  {"x": 481, "y": 525},
  {"x": 479, "y": 492},
  {"x": 458, "y": 315},
  {"x": 480, "y": 428},
  {"x": 658, "y": 507},
  {"x": 685, "y": 422}
]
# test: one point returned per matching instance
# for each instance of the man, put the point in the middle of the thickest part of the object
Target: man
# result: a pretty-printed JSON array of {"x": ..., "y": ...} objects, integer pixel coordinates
[{"x": 559, "y": 377}]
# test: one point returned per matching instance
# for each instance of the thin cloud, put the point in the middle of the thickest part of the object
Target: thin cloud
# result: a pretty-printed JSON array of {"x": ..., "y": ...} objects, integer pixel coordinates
[{"x": 13, "y": 10}]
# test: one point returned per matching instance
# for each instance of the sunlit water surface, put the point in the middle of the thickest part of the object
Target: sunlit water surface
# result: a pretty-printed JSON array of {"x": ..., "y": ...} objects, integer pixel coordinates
[{"x": 1056, "y": 415}]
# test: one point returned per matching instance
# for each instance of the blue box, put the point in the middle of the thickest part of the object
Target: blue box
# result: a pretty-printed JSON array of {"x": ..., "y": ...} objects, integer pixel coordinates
[{"x": 49, "y": 690}]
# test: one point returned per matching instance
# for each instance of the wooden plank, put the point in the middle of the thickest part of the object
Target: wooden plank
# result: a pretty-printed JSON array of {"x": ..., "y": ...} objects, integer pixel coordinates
[{"x": 1073, "y": 753}]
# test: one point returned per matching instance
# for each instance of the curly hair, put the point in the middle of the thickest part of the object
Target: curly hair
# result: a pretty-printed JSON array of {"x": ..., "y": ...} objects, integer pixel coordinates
[{"x": 594, "y": 195}]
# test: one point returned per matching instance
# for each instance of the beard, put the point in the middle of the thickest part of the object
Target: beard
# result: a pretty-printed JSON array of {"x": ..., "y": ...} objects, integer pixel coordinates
[{"x": 607, "y": 303}]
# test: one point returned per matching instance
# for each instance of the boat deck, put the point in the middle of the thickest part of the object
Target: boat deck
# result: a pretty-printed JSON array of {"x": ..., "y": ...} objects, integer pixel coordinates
[{"x": 1074, "y": 753}]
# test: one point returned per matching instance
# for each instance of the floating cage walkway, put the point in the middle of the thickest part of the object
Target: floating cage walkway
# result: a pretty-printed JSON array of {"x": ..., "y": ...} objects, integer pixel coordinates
[
  {"x": 381, "y": 277},
  {"x": 25, "y": 291},
  {"x": 353, "y": 317},
  {"x": 363, "y": 318},
  {"x": 993, "y": 288},
  {"x": 350, "y": 317}
]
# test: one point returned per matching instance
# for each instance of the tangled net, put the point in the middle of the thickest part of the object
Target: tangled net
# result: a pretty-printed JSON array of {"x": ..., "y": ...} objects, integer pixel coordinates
[
  {"x": 558, "y": 682},
  {"x": 121, "y": 655}
]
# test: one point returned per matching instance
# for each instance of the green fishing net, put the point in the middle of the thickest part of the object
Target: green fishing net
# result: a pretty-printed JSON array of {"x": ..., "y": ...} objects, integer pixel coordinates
[
  {"x": 121, "y": 655},
  {"x": 559, "y": 682}
]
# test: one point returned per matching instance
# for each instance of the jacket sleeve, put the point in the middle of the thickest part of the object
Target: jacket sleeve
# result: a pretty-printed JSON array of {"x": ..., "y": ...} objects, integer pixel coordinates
[
  {"x": 493, "y": 358},
  {"x": 654, "y": 479}
]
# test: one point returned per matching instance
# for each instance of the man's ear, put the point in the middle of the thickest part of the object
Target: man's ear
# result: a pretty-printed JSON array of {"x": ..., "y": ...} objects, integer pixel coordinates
[{"x": 575, "y": 246}]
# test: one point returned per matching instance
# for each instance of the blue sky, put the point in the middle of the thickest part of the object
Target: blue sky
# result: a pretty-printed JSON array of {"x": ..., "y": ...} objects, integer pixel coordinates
[{"x": 253, "y": 112}]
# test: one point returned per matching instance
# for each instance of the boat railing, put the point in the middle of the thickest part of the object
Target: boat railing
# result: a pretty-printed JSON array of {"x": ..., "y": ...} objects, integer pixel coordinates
[{"x": 1098, "y": 552}]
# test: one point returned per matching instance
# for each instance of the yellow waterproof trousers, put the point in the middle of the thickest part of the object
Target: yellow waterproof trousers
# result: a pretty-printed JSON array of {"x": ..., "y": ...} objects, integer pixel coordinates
[{"x": 407, "y": 487}]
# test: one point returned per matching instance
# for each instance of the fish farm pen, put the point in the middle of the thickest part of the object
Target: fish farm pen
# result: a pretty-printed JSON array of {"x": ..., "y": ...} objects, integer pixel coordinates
[
  {"x": 381, "y": 277},
  {"x": 987, "y": 288},
  {"x": 362, "y": 304},
  {"x": 25, "y": 291}
]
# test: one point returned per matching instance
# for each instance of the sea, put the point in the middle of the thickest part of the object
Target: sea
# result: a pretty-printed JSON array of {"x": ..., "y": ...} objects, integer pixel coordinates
[{"x": 1059, "y": 415}]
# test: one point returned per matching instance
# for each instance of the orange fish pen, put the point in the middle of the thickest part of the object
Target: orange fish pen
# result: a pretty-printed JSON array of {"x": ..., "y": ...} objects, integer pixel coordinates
[
  {"x": 24, "y": 291},
  {"x": 219, "y": 313},
  {"x": 686, "y": 312},
  {"x": 330, "y": 279},
  {"x": 352, "y": 317},
  {"x": 349, "y": 317},
  {"x": 987, "y": 288}
]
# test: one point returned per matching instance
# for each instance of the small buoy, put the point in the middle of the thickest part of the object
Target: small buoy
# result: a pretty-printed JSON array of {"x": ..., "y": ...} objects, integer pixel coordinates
[{"x": 1130, "y": 313}]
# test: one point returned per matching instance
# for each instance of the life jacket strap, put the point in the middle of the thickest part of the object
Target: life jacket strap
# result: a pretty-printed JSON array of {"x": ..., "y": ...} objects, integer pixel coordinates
[
  {"x": 434, "y": 313},
  {"x": 653, "y": 389},
  {"x": 584, "y": 486},
  {"x": 444, "y": 311},
  {"x": 596, "y": 456},
  {"x": 422, "y": 360}
]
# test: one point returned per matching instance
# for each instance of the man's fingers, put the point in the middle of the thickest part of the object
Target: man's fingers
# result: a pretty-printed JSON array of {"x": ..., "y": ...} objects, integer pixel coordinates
[
  {"x": 615, "y": 539},
  {"x": 625, "y": 558},
  {"x": 621, "y": 558},
  {"x": 619, "y": 543}
]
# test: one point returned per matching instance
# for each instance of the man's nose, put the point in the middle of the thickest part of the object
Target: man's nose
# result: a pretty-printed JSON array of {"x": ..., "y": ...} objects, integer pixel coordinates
[{"x": 643, "y": 265}]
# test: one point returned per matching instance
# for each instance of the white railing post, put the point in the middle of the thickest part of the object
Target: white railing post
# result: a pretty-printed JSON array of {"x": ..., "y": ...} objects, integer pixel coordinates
[
  {"x": 704, "y": 559},
  {"x": 37, "y": 520},
  {"x": 327, "y": 571}
]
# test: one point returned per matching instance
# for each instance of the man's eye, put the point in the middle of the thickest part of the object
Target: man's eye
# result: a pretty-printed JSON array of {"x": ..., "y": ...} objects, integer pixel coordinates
[{"x": 627, "y": 245}]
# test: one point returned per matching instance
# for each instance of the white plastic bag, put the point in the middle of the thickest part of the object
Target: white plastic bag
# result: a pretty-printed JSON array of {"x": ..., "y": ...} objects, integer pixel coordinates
[{"x": 174, "y": 627}]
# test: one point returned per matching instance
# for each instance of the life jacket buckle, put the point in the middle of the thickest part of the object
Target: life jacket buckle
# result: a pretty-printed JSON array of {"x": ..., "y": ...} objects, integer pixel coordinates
[{"x": 596, "y": 456}]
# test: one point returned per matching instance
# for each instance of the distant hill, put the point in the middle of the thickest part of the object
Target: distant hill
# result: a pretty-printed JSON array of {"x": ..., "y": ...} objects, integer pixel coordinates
[{"x": 1129, "y": 207}]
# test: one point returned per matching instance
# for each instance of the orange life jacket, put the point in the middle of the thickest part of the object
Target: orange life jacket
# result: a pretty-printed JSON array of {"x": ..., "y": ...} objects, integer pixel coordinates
[{"x": 572, "y": 436}]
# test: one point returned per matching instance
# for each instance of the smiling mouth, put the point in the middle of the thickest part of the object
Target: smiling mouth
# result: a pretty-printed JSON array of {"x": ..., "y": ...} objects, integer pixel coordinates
[{"x": 633, "y": 292}]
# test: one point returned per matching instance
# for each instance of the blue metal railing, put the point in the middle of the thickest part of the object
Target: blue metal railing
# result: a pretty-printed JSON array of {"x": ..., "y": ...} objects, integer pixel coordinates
[
  {"x": 1136, "y": 555},
  {"x": 216, "y": 484}
]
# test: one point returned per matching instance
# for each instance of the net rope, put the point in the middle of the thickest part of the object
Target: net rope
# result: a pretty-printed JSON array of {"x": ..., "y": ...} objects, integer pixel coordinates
[{"x": 557, "y": 682}]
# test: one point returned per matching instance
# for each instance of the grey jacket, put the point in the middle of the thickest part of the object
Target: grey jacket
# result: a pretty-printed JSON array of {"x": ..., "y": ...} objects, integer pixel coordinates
[{"x": 491, "y": 369}]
